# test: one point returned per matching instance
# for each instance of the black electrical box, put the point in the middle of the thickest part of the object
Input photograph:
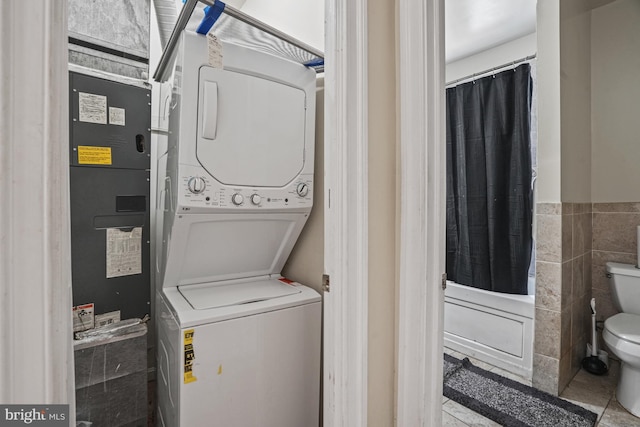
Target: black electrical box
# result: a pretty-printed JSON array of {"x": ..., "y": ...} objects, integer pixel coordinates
[{"x": 110, "y": 131}]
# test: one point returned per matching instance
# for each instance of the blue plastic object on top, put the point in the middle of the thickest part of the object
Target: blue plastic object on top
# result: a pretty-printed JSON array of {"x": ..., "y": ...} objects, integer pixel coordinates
[
  {"x": 315, "y": 63},
  {"x": 211, "y": 15}
]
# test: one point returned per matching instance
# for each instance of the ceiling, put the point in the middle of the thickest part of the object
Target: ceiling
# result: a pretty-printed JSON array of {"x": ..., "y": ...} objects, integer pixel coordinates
[{"x": 472, "y": 26}]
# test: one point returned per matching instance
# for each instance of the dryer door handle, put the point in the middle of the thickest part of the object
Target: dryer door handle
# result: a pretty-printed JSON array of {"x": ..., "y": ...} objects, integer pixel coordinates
[{"x": 210, "y": 110}]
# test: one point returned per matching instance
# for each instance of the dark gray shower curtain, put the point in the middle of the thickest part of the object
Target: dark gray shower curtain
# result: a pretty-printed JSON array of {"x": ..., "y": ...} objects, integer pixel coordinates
[{"x": 489, "y": 198}]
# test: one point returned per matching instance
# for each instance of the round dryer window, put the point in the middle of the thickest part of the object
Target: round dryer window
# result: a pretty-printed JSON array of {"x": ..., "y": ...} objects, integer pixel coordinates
[{"x": 251, "y": 131}]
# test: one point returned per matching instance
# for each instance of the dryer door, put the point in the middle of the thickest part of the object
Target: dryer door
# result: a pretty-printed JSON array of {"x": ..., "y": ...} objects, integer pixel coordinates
[{"x": 250, "y": 130}]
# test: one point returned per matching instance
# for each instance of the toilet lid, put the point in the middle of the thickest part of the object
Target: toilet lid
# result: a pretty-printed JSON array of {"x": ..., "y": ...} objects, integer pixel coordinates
[{"x": 625, "y": 326}]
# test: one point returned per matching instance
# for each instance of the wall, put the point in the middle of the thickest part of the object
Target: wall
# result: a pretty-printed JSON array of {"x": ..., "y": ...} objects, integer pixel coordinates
[
  {"x": 563, "y": 246},
  {"x": 615, "y": 61},
  {"x": 616, "y": 91},
  {"x": 382, "y": 209},
  {"x": 503, "y": 54},
  {"x": 548, "y": 69},
  {"x": 303, "y": 20},
  {"x": 306, "y": 262},
  {"x": 575, "y": 100}
]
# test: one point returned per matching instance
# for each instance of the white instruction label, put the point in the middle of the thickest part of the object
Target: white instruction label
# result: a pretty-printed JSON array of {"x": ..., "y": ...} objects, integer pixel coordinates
[
  {"x": 215, "y": 51},
  {"x": 93, "y": 108},
  {"x": 124, "y": 252},
  {"x": 116, "y": 116},
  {"x": 83, "y": 318},
  {"x": 109, "y": 318}
]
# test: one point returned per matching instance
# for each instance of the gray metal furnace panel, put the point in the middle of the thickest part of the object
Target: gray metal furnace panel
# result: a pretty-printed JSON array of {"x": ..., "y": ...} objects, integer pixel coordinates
[
  {"x": 110, "y": 206},
  {"x": 110, "y": 123}
]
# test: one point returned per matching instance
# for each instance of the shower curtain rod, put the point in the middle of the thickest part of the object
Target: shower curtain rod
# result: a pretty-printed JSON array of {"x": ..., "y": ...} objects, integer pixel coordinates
[{"x": 499, "y": 67}]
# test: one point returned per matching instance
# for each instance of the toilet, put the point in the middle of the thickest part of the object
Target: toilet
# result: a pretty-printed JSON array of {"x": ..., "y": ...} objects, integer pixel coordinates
[{"x": 622, "y": 332}]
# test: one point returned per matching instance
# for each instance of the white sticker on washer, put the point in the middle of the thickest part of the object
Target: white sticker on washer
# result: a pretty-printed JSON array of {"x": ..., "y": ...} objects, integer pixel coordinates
[
  {"x": 116, "y": 116},
  {"x": 124, "y": 252},
  {"x": 215, "y": 51},
  {"x": 92, "y": 108}
]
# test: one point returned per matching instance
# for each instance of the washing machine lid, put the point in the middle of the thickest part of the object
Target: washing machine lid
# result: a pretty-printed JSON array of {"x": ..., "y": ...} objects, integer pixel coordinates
[
  {"x": 205, "y": 248},
  {"x": 625, "y": 326},
  {"x": 251, "y": 130},
  {"x": 212, "y": 295}
]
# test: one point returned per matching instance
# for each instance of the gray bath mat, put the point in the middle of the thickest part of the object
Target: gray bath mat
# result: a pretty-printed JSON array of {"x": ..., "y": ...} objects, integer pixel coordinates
[{"x": 509, "y": 402}]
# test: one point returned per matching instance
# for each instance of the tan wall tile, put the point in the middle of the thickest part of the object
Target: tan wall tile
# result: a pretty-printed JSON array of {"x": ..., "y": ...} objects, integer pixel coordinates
[
  {"x": 617, "y": 207},
  {"x": 549, "y": 285},
  {"x": 580, "y": 208},
  {"x": 565, "y": 330},
  {"x": 545, "y": 373},
  {"x": 598, "y": 266},
  {"x": 548, "y": 333},
  {"x": 567, "y": 237},
  {"x": 586, "y": 269},
  {"x": 549, "y": 243},
  {"x": 567, "y": 208},
  {"x": 566, "y": 372},
  {"x": 615, "y": 232},
  {"x": 588, "y": 234},
  {"x": 578, "y": 352},
  {"x": 578, "y": 235},
  {"x": 548, "y": 208},
  {"x": 604, "y": 304},
  {"x": 567, "y": 283},
  {"x": 578, "y": 331},
  {"x": 577, "y": 284}
]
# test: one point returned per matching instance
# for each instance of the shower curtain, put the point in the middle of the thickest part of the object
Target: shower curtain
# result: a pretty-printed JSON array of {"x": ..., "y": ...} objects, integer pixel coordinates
[{"x": 489, "y": 197}]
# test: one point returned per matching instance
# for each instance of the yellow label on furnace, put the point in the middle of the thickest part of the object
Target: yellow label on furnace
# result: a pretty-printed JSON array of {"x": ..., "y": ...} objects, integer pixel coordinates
[
  {"x": 189, "y": 356},
  {"x": 89, "y": 155}
]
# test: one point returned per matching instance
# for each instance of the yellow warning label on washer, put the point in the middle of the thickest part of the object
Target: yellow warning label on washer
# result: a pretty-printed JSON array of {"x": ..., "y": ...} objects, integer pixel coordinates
[
  {"x": 89, "y": 155},
  {"x": 189, "y": 356}
]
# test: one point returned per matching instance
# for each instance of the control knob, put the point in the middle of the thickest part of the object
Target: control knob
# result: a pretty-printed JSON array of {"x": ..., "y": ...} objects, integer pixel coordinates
[
  {"x": 302, "y": 189},
  {"x": 196, "y": 184},
  {"x": 256, "y": 199},
  {"x": 237, "y": 199}
]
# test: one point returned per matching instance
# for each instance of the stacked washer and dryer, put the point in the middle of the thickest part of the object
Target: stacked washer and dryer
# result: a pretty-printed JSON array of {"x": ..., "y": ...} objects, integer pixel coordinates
[{"x": 238, "y": 344}]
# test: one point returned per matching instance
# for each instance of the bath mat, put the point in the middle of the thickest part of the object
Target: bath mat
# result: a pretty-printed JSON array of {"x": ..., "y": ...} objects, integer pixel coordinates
[{"x": 509, "y": 402}]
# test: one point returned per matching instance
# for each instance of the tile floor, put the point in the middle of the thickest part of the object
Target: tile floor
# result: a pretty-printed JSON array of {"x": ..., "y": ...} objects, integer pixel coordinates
[{"x": 592, "y": 392}]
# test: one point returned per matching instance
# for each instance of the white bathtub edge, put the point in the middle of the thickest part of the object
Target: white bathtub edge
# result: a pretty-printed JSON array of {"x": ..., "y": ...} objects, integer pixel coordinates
[{"x": 516, "y": 308}]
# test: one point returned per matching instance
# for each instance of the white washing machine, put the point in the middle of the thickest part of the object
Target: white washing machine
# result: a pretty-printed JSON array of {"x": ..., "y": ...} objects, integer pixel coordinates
[{"x": 238, "y": 344}]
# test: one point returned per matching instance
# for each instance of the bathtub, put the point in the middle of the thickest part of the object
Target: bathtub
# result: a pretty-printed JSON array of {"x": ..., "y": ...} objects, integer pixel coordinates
[{"x": 490, "y": 326}]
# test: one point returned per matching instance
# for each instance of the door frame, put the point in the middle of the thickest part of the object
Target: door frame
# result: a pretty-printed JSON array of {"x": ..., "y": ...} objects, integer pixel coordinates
[
  {"x": 422, "y": 212},
  {"x": 420, "y": 298},
  {"x": 346, "y": 215}
]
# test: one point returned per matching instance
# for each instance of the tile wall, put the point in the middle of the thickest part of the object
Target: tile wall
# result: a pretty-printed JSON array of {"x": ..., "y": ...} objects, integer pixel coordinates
[
  {"x": 614, "y": 239},
  {"x": 563, "y": 292}
]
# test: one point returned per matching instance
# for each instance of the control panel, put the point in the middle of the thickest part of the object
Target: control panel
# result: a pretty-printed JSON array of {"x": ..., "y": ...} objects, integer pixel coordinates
[{"x": 199, "y": 192}]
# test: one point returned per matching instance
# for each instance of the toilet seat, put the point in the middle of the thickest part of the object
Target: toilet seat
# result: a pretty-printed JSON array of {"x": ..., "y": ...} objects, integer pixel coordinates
[{"x": 624, "y": 326}]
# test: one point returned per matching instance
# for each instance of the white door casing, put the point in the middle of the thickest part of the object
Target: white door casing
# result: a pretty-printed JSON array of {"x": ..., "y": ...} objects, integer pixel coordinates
[
  {"x": 422, "y": 207},
  {"x": 345, "y": 212},
  {"x": 36, "y": 357}
]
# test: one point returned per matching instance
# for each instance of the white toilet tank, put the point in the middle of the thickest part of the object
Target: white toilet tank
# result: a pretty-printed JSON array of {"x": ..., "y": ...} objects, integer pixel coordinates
[{"x": 624, "y": 280}]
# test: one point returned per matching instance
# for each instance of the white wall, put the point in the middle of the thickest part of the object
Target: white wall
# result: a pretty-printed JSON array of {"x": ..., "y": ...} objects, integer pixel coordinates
[
  {"x": 548, "y": 72},
  {"x": 302, "y": 19},
  {"x": 503, "y": 54},
  {"x": 306, "y": 262},
  {"x": 615, "y": 115},
  {"x": 575, "y": 102}
]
